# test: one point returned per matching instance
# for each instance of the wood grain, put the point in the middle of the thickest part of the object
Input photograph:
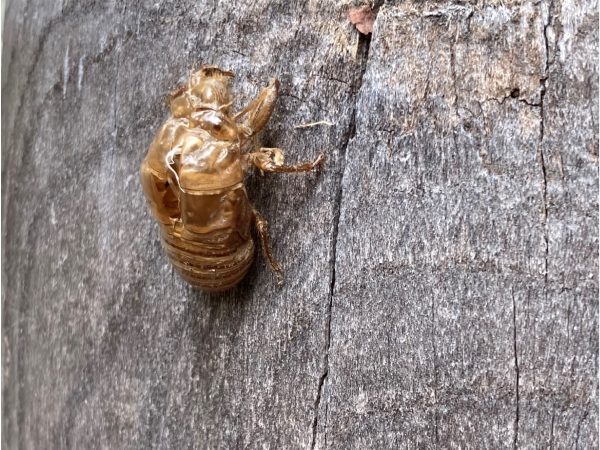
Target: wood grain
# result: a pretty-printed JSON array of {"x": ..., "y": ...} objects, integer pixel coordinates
[{"x": 442, "y": 270}]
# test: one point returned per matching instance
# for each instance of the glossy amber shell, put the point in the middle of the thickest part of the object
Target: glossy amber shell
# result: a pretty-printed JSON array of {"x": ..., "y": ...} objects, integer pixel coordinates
[{"x": 193, "y": 179}]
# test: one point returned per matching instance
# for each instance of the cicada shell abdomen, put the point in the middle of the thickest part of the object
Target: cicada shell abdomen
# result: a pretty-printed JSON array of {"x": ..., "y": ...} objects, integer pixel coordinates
[
  {"x": 205, "y": 263},
  {"x": 209, "y": 241},
  {"x": 211, "y": 246}
]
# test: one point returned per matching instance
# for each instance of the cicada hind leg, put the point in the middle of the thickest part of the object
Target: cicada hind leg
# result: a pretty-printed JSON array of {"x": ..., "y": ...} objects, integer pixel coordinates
[{"x": 262, "y": 227}]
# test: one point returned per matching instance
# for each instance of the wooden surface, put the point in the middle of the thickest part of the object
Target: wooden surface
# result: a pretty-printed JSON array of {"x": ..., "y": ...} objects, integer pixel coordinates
[{"x": 442, "y": 271}]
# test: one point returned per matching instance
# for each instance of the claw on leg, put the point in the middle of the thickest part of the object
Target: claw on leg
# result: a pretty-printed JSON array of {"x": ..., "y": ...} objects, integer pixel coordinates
[
  {"x": 271, "y": 160},
  {"x": 263, "y": 233}
]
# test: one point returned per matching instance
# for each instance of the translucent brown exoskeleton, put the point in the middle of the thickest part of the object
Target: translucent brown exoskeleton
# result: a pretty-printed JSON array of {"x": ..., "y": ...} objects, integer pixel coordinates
[{"x": 193, "y": 178}]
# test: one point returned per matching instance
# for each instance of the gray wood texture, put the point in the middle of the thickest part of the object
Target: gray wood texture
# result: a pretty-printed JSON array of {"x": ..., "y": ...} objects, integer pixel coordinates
[{"x": 441, "y": 272}]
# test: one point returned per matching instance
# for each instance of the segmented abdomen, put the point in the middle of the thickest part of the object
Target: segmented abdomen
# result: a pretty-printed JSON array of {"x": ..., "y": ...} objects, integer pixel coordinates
[
  {"x": 211, "y": 245},
  {"x": 205, "y": 262}
]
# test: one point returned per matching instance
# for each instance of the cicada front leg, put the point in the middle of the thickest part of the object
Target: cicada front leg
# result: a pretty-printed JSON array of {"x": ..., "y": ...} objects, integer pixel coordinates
[{"x": 259, "y": 111}]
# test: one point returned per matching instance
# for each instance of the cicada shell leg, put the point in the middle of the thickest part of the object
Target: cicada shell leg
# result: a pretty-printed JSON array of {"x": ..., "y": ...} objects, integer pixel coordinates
[
  {"x": 271, "y": 160},
  {"x": 263, "y": 233},
  {"x": 259, "y": 111}
]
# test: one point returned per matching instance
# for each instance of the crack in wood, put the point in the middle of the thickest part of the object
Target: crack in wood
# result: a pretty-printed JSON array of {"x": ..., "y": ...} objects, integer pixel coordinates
[
  {"x": 542, "y": 158},
  {"x": 364, "y": 43},
  {"x": 578, "y": 432},
  {"x": 501, "y": 101},
  {"x": 517, "y": 373}
]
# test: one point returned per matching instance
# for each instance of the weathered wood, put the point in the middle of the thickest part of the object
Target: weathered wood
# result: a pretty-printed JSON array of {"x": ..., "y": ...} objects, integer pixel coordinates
[{"x": 442, "y": 271}]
